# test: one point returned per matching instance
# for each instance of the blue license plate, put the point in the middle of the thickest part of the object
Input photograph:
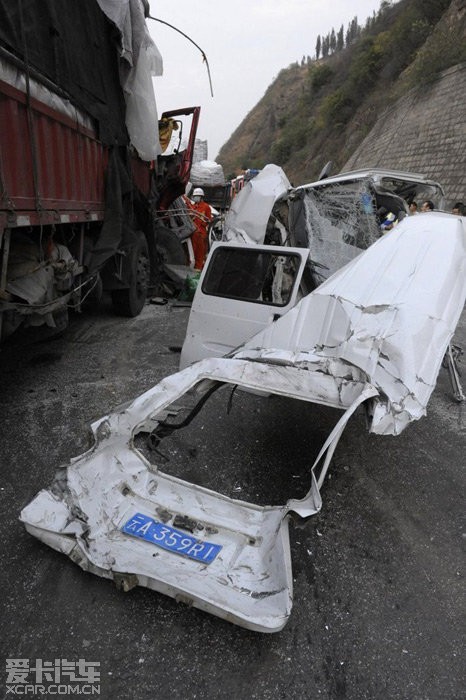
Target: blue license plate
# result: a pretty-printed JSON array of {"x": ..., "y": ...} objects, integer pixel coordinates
[{"x": 146, "y": 528}]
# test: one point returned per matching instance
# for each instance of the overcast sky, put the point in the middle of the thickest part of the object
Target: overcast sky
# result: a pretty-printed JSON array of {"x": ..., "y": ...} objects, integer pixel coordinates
[{"x": 247, "y": 43}]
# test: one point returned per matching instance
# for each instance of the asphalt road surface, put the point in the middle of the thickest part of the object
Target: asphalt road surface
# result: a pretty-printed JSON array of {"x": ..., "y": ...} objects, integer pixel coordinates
[{"x": 378, "y": 591}]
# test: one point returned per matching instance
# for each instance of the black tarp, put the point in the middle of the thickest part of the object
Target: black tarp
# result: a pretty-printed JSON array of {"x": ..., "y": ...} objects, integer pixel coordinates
[{"x": 74, "y": 45}]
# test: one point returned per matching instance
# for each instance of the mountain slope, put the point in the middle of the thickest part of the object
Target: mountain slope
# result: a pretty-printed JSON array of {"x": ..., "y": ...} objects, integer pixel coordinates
[{"x": 323, "y": 109}]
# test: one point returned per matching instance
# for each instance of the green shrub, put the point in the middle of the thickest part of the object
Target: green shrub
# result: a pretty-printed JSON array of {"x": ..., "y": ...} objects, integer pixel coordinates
[
  {"x": 368, "y": 62},
  {"x": 281, "y": 150},
  {"x": 292, "y": 139},
  {"x": 337, "y": 108},
  {"x": 320, "y": 76},
  {"x": 445, "y": 49}
]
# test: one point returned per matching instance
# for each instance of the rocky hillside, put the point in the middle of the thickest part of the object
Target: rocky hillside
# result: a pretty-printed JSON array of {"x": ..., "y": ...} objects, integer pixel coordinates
[{"x": 321, "y": 110}]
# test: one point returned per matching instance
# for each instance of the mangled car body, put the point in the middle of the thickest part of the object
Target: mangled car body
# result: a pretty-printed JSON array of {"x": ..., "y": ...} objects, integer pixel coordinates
[
  {"x": 290, "y": 240},
  {"x": 373, "y": 334},
  {"x": 335, "y": 217}
]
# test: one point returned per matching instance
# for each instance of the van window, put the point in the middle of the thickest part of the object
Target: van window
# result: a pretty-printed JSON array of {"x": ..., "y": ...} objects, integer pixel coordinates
[{"x": 250, "y": 275}]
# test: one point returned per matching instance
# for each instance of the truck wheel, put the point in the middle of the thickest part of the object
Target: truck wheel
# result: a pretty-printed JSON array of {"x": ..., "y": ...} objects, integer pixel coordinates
[{"x": 129, "y": 302}]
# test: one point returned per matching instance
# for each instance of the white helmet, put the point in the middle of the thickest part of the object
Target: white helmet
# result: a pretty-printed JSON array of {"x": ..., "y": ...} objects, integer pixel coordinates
[{"x": 198, "y": 192}]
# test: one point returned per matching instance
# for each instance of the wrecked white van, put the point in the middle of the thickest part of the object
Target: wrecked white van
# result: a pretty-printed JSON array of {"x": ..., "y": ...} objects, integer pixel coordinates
[
  {"x": 285, "y": 242},
  {"x": 373, "y": 334}
]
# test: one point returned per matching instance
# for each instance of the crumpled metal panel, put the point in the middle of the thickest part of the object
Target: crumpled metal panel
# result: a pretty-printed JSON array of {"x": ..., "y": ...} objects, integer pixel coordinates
[
  {"x": 250, "y": 581},
  {"x": 246, "y": 221},
  {"x": 391, "y": 313}
]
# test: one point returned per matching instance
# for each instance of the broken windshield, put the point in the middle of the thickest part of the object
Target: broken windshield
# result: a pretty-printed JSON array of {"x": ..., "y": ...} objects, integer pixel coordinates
[{"x": 335, "y": 222}]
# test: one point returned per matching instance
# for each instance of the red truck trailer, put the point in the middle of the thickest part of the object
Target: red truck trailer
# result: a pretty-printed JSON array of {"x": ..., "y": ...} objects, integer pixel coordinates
[{"x": 79, "y": 208}]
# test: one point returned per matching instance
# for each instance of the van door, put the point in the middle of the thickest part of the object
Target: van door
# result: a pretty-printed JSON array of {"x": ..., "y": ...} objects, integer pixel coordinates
[{"x": 241, "y": 290}]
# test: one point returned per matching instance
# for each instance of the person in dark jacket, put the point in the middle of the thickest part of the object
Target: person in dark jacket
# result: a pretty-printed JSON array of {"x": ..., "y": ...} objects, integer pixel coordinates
[{"x": 428, "y": 205}]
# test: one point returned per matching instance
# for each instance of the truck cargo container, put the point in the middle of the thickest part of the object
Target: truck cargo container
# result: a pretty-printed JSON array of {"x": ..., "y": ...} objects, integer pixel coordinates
[{"x": 83, "y": 181}]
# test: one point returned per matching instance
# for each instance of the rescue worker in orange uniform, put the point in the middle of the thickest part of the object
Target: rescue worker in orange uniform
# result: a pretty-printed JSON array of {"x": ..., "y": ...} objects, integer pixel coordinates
[{"x": 201, "y": 217}]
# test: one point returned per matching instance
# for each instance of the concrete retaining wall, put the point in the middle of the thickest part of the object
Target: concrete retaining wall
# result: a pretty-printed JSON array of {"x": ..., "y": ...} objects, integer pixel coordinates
[{"x": 423, "y": 132}]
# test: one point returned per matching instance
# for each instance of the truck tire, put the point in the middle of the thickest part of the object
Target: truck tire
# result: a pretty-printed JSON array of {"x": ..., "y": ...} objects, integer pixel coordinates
[{"x": 130, "y": 301}]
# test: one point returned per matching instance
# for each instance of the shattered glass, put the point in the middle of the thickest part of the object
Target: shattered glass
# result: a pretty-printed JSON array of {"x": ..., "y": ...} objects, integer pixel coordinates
[{"x": 340, "y": 222}]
